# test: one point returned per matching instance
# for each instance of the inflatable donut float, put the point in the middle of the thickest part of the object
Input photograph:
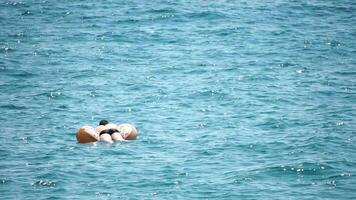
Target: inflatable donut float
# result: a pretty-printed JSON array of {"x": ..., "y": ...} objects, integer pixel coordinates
[{"x": 87, "y": 134}]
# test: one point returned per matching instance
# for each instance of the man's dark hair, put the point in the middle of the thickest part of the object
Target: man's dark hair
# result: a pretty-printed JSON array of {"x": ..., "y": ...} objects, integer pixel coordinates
[{"x": 103, "y": 122}]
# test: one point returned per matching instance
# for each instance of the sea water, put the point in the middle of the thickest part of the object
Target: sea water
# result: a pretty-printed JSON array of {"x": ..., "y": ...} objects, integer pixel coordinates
[{"x": 231, "y": 99}]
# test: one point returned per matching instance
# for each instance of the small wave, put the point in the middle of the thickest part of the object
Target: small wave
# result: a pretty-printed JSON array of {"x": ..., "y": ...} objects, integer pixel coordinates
[
  {"x": 310, "y": 169},
  {"x": 335, "y": 176},
  {"x": 206, "y": 15},
  {"x": 226, "y": 31},
  {"x": 52, "y": 94},
  {"x": 196, "y": 71},
  {"x": 304, "y": 170},
  {"x": 23, "y": 74},
  {"x": 334, "y": 43},
  {"x": 107, "y": 194},
  {"x": 162, "y": 17},
  {"x": 271, "y": 123},
  {"x": 161, "y": 10},
  {"x": 18, "y": 35},
  {"x": 127, "y": 21},
  {"x": 287, "y": 64},
  {"x": 84, "y": 73},
  {"x": 92, "y": 17},
  {"x": 44, "y": 183},
  {"x": 27, "y": 13},
  {"x": 4, "y": 181},
  {"x": 7, "y": 49},
  {"x": 13, "y": 107},
  {"x": 208, "y": 93},
  {"x": 346, "y": 73},
  {"x": 17, "y": 4},
  {"x": 261, "y": 77}
]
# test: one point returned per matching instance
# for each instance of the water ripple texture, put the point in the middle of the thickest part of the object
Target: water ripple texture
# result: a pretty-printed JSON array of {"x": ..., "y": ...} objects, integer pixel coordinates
[{"x": 232, "y": 99}]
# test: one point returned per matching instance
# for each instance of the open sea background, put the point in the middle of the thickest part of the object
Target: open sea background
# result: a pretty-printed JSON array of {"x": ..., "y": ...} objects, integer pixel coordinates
[{"x": 232, "y": 99}]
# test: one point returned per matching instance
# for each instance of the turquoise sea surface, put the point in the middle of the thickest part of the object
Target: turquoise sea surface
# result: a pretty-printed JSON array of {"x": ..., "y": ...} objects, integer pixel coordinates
[{"x": 231, "y": 99}]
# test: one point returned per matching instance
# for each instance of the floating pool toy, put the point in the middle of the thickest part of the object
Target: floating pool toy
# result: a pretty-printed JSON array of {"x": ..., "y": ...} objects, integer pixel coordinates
[
  {"x": 87, "y": 134},
  {"x": 127, "y": 131}
]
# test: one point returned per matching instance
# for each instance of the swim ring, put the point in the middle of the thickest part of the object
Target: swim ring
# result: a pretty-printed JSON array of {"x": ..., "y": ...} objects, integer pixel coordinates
[{"x": 87, "y": 134}]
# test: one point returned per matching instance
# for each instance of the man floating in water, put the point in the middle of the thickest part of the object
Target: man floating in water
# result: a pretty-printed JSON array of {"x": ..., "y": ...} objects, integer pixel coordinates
[{"x": 106, "y": 132}]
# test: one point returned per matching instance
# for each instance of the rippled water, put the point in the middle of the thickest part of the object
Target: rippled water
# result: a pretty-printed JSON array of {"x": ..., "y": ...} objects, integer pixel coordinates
[{"x": 232, "y": 99}]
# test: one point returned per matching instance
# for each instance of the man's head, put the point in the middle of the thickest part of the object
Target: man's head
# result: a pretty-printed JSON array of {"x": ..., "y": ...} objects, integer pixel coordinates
[{"x": 103, "y": 122}]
